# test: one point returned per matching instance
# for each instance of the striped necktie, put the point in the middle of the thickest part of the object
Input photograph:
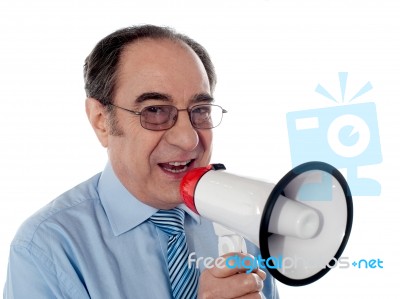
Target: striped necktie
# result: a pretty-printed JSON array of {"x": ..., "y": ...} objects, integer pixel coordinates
[{"x": 184, "y": 280}]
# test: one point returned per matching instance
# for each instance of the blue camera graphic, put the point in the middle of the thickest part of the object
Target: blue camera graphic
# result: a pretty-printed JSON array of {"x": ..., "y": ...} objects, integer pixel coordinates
[{"x": 346, "y": 136}]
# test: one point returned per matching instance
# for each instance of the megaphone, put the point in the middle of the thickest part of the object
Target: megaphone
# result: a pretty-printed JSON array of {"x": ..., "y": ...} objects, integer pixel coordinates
[{"x": 301, "y": 224}]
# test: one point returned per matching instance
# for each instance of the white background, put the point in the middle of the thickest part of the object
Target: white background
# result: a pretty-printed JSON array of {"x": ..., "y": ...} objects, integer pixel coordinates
[{"x": 269, "y": 55}]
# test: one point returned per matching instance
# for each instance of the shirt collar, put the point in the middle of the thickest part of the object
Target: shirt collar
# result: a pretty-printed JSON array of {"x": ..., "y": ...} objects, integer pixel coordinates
[{"x": 123, "y": 210}]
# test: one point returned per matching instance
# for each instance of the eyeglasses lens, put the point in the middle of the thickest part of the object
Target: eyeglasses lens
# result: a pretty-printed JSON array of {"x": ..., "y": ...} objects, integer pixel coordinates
[{"x": 163, "y": 117}]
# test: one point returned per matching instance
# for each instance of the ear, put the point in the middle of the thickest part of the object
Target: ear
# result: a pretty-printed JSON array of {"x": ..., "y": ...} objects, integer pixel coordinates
[{"x": 97, "y": 115}]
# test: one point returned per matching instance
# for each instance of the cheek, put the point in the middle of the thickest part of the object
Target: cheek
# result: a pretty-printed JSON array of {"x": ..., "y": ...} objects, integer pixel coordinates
[
  {"x": 132, "y": 160},
  {"x": 133, "y": 149},
  {"x": 145, "y": 149},
  {"x": 206, "y": 138},
  {"x": 142, "y": 147}
]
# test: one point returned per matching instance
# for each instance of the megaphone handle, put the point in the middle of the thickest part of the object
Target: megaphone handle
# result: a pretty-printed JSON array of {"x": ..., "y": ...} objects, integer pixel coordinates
[{"x": 229, "y": 241}]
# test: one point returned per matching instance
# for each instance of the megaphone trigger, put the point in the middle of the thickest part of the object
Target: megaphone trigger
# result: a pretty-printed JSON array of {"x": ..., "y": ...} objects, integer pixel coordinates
[{"x": 228, "y": 240}]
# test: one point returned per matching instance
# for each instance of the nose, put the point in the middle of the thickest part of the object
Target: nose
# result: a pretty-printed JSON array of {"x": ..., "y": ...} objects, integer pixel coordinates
[{"x": 182, "y": 134}]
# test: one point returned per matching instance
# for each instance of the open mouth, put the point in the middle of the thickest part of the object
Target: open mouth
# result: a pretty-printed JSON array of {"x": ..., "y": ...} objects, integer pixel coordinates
[{"x": 177, "y": 166}]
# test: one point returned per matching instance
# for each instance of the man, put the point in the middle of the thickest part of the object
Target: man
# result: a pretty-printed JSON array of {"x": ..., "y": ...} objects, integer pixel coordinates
[{"x": 149, "y": 101}]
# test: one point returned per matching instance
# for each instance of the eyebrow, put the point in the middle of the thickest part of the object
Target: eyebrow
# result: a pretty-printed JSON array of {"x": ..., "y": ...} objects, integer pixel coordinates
[
  {"x": 153, "y": 96},
  {"x": 197, "y": 98},
  {"x": 202, "y": 97}
]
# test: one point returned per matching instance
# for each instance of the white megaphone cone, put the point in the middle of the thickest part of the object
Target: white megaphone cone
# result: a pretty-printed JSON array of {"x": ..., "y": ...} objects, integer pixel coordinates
[{"x": 301, "y": 224}]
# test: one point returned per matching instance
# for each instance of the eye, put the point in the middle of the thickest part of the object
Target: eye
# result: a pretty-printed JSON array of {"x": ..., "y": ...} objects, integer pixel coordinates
[
  {"x": 156, "y": 109},
  {"x": 160, "y": 114},
  {"x": 202, "y": 110}
]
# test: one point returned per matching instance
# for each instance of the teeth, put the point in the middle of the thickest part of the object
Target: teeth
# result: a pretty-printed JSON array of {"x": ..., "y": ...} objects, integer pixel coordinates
[
  {"x": 177, "y": 170},
  {"x": 179, "y": 163}
]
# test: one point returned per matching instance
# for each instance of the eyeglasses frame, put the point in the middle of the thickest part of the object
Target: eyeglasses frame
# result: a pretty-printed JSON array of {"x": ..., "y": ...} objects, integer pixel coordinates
[{"x": 189, "y": 110}]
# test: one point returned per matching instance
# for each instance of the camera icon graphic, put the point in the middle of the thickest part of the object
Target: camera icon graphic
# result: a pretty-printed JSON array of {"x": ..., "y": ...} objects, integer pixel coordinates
[{"x": 346, "y": 136}]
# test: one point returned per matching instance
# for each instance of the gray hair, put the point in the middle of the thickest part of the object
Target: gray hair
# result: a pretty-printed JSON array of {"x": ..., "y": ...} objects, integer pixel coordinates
[{"x": 101, "y": 66}]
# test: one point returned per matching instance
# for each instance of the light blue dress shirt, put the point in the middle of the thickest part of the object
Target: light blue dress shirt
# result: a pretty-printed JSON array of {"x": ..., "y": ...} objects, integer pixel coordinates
[{"x": 94, "y": 241}]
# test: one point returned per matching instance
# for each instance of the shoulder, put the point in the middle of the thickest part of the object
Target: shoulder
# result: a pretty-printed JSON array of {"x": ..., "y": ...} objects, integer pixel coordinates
[{"x": 66, "y": 208}]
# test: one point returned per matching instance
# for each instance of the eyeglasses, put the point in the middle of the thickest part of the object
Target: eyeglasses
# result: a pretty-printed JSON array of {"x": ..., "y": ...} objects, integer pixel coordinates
[{"x": 164, "y": 117}]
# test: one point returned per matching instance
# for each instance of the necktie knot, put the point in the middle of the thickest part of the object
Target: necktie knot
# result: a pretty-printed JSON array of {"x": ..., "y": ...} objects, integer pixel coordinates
[{"x": 169, "y": 221}]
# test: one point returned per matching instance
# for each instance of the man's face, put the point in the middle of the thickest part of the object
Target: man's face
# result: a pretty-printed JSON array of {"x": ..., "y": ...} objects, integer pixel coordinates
[{"x": 151, "y": 164}]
